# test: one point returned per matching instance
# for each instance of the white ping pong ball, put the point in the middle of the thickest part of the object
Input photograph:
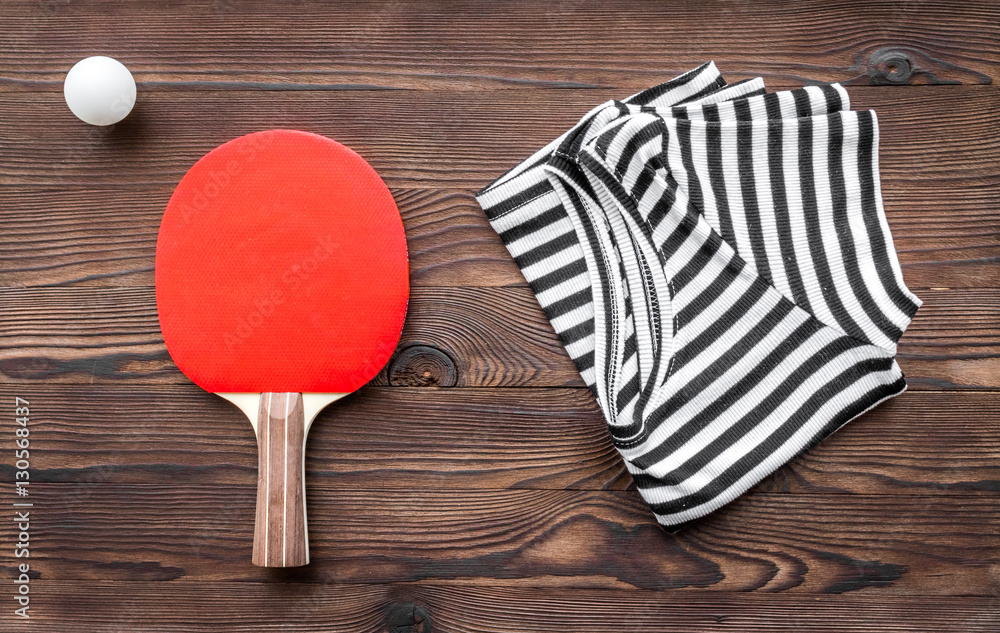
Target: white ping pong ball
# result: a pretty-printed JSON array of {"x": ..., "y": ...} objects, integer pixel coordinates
[{"x": 99, "y": 90}]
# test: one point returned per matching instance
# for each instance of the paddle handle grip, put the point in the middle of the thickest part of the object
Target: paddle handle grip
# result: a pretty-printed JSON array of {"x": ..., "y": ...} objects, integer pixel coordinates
[{"x": 280, "y": 537}]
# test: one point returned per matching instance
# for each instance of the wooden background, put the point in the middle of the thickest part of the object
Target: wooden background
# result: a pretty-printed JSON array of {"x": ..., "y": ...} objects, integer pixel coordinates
[{"x": 472, "y": 487}]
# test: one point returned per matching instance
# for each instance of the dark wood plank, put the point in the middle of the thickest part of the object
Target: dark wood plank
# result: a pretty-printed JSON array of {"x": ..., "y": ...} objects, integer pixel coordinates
[
  {"x": 477, "y": 45},
  {"x": 246, "y": 607},
  {"x": 939, "y": 209},
  {"x": 107, "y": 236},
  {"x": 488, "y": 336},
  {"x": 900, "y": 545},
  {"x": 467, "y": 337},
  {"x": 954, "y": 341},
  {"x": 921, "y": 443},
  {"x": 930, "y": 139},
  {"x": 947, "y": 238},
  {"x": 477, "y": 509}
]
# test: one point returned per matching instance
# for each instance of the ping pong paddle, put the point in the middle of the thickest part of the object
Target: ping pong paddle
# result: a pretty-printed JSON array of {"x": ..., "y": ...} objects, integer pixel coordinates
[{"x": 281, "y": 285}]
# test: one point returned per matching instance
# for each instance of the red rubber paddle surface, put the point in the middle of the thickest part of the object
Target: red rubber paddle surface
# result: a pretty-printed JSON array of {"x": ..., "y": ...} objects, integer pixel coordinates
[{"x": 281, "y": 266}]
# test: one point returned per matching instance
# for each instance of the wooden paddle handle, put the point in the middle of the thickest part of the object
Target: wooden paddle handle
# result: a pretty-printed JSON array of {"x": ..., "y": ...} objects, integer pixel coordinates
[{"x": 280, "y": 537}]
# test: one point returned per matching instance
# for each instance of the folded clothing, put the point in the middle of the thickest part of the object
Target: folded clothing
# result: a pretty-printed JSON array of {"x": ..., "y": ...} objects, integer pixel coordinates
[{"x": 717, "y": 262}]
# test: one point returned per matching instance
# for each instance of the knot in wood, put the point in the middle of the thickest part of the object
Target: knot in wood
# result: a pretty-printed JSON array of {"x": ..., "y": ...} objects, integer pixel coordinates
[
  {"x": 422, "y": 366},
  {"x": 407, "y": 618},
  {"x": 890, "y": 66}
]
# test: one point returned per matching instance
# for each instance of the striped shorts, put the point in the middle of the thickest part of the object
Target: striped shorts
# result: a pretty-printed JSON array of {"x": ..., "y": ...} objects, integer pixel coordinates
[{"x": 717, "y": 262}]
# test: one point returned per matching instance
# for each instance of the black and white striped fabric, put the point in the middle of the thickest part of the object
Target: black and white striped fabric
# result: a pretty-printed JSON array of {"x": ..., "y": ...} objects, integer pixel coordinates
[
  {"x": 528, "y": 208},
  {"x": 718, "y": 265}
]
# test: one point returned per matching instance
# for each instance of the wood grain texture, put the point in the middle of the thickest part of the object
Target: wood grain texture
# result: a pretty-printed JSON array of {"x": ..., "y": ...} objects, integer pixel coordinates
[
  {"x": 472, "y": 487},
  {"x": 492, "y": 337},
  {"x": 280, "y": 537},
  {"x": 106, "y": 236},
  {"x": 929, "y": 138},
  {"x": 155, "y": 607},
  {"x": 900, "y": 545},
  {"x": 479, "y": 45},
  {"x": 921, "y": 443}
]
